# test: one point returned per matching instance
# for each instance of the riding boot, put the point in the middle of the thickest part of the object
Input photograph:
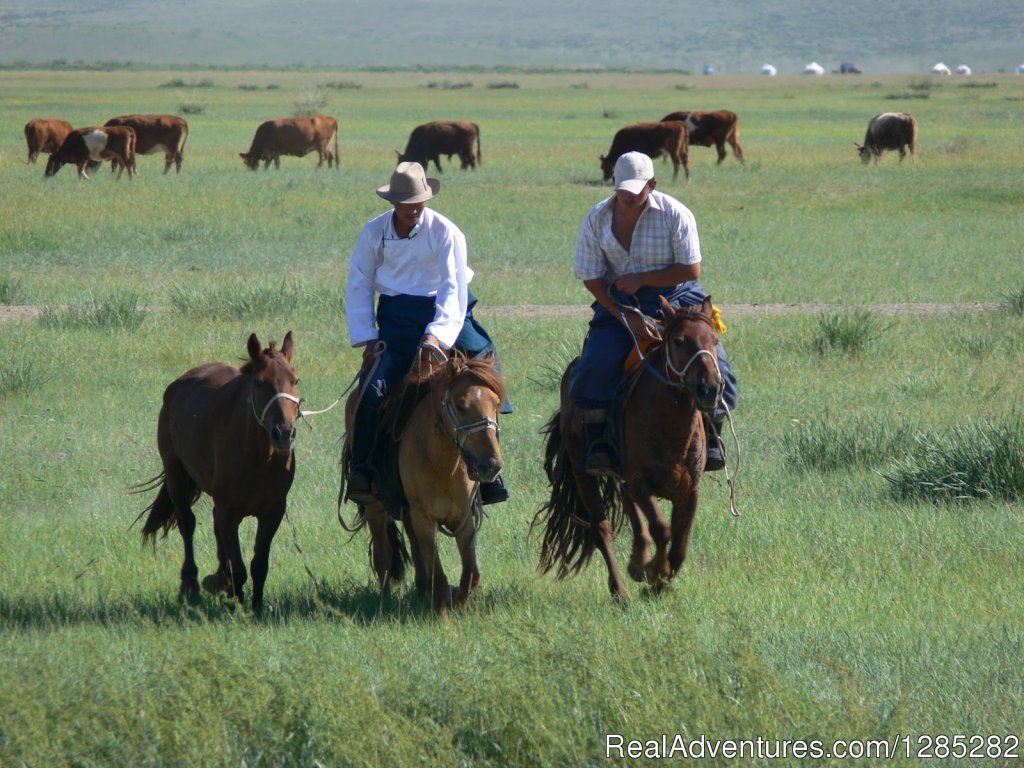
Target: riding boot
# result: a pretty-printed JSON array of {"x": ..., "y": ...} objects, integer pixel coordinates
[
  {"x": 359, "y": 485},
  {"x": 493, "y": 492},
  {"x": 598, "y": 453},
  {"x": 715, "y": 454}
]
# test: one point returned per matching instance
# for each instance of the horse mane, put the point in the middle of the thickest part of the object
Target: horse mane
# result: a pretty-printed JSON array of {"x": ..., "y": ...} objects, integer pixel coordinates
[{"x": 398, "y": 406}]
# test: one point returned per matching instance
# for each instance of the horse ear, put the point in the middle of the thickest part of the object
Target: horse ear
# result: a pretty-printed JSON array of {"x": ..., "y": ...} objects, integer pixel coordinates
[
  {"x": 286, "y": 347},
  {"x": 254, "y": 347},
  {"x": 667, "y": 310},
  {"x": 707, "y": 308}
]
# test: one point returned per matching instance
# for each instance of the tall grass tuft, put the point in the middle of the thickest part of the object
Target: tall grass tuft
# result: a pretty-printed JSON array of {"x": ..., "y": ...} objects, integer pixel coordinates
[
  {"x": 1013, "y": 302},
  {"x": 19, "y": 376},
  {"x": 824, "y": 445},
  {"x": 118, "y": 311},
  {"x": 242, "y": 301},
  {"x": 847, "y": 333},
  {"x": 983, "y": 460},
  {"x": 10, "y": 290}
]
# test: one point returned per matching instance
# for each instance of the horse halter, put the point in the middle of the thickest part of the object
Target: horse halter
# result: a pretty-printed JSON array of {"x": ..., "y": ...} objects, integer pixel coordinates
[
  {"x": 260, "y": 417},
  {"x": 461, "y": 431}
]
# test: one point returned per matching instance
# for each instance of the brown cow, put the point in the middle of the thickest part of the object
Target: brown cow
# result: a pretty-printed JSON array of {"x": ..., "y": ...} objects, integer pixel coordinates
[
  {"x": 45, "y": 135},
  {"x": 156, "y": 133},
  {"x": 707, "y": 128},
  {"x": 295, "y": 137},
  {"x": 85, "y": 146},
  {"x": 888, "y": 130},
  {"x": 652, "y": 139},
  {"x": 443, "y": 137}
]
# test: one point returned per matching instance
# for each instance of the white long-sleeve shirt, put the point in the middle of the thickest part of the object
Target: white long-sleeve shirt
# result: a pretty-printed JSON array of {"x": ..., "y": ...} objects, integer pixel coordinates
[{"x": 430, "y": 262}]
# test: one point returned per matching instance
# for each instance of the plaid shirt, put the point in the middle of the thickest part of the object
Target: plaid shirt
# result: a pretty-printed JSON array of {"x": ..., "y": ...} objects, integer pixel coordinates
[{"x": 665, "y": 234}]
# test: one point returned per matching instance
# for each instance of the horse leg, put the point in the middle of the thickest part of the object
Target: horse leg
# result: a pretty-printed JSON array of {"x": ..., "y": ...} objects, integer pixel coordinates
[
  {"x": 642, "y": 541},
  {"x": 179, "y": 490},
  {"x": 422, "y": 574},
  {"x": 425, "y": 533},
  {"x": 656, "y": 569},
  {"x": 381, "y": 553},
  {"x": 265, "y": 530},
  {"x": 466, "y": 541},
  {"x": 604, "y": 534},
  {"x": 682, "y": 521},
  {"x": 231, "y": 575}
]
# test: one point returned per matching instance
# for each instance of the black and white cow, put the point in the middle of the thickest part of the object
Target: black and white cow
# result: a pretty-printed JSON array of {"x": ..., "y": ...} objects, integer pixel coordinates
[{"x": 85, "y": 146}]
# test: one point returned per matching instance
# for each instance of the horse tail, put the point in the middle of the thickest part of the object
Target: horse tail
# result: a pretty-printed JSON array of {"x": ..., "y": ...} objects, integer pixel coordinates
[
  {"x": 161, "y": 514},
  {"x": 569, "y": 540}
]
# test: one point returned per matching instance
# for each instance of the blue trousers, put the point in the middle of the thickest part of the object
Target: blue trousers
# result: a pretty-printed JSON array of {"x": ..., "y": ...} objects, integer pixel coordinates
[
  {"x": 401, "y": 321},
  {"x": 599, "y": 371}
]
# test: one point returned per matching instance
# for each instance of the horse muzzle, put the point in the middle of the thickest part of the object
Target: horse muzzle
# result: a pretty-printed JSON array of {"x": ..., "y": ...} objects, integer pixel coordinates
[
  {"x": 282, "y": 437},
  {"x": 707, "y": 392},
  {"x": 483, "y": 470}
]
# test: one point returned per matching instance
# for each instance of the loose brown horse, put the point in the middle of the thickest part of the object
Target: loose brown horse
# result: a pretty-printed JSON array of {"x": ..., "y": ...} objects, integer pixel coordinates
[
  {"x": 663, "y": 453},
  {"x": 443, "y": 435},
  {"x": 230, "y": 433}
]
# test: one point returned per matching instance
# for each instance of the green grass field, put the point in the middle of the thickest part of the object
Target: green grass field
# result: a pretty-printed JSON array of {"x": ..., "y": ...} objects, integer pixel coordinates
[{"x": 833, "y": 608}]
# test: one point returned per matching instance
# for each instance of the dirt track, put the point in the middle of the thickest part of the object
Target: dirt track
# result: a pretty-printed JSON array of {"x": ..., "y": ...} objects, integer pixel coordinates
[{"x": 27, "y": 312}]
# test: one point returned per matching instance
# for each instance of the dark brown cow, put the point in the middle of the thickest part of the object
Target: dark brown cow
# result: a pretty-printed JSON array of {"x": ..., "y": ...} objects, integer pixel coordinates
[
  {"x": 444, "y": 137},
  {"x": 707, "y": 128},
  {"x": 888, "y": 130},
  {"x": 652, "y": 139},
  {"x": 45, "y": 135},
  {"x": 294, "y": 137},
  {"x": 156, "y": 133},
  {"x": 85, "y": 146}
]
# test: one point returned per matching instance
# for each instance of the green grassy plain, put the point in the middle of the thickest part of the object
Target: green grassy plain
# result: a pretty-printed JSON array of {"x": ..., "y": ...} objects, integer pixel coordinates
[{"x": 828, "y": 610}]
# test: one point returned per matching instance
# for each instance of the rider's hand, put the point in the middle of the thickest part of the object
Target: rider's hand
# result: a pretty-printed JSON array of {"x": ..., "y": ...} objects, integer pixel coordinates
[
  {"x": 429, "y": 356},
  {"x": 641, "y": 327}
]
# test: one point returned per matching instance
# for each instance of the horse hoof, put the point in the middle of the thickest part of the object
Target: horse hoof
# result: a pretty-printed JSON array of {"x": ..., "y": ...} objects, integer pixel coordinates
[
  {"x": 188, "y": 592},
  {"x": 214, "y": 583},
  {"x": 637, "y": 571}
]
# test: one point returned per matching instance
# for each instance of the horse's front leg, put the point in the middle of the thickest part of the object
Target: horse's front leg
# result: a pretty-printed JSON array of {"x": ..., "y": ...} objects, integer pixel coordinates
[
  {"x": 656, "y": 569},
  {"x": 642, "y": 541},
  {"x": 466, "y": 541},
  {"x": 381, "y": 552},
  {"x": 424, "y": 531},
  {"x": 230, "y": 576},
  {"x": 683, "y": 512},
  {"x": 265, "y": 531}
]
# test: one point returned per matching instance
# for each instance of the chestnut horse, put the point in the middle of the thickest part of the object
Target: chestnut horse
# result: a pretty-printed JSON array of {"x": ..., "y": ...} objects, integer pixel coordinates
[
  {"x": 663, "y": 452},
  {"x": 230, "y": 433},
  {"x": 438, "y": 442}
]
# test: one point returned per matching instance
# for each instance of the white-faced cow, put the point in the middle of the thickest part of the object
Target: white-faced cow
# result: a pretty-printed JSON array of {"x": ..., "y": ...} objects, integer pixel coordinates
[
  {"x": 444, "y": 137},
  {"x": 294, "y": 137},
  {"x": 156, "y": 133},
  {"x": 45, "y": 135},
  {"x": 653, "y": 139},
  {"x": 85, "y": 146},
  {"x": 888, "y": 130},
  {"x": 712, "y": 128}
]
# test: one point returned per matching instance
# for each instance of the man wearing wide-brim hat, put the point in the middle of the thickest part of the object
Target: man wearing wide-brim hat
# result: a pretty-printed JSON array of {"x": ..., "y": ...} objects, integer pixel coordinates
[{"x": 414, "y": 260}]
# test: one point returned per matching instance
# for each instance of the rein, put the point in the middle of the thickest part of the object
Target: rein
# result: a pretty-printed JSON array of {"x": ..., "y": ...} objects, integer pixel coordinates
[
  {"x": 461, "y": 431},
  {"x": 279, "y": 396}
]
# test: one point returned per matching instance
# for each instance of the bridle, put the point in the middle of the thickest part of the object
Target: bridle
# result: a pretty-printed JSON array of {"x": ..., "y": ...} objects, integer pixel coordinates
[
  {"x": 460, "y": 432},
  {"x": 261, "y": 417}
]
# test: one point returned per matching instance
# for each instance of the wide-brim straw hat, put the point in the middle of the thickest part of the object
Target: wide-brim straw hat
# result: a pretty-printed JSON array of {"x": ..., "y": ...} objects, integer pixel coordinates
[{"x": 409, "y": 184}]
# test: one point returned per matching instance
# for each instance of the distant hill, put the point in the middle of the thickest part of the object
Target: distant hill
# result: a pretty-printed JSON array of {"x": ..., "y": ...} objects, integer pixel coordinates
[{"x": 732, "y": 37}]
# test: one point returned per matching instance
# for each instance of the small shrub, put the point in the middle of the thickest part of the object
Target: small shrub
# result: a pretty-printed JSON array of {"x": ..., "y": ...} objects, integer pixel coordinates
[
  {"x": 448, "y": 85},
  {"x": 19, "y": 376},
  {"x": 344, "y": 85},
  {"x": 191, "y": 109},
  {"x": 10, "y": 290},
  {"x": 243, "y": 301},
  {"x": 1013, "y": 302},
  {"x": 118, "y": 311},
  {"x": 847, "y": 333},
  {"x": 248, "y": 87},
  {"x": 976, "y": 461},
  {"x": 825, "y": 445},
  {"x": 314, "y": 103},
  {"x": 609, "y": 114},
  {"x": 503, "y": 84}
]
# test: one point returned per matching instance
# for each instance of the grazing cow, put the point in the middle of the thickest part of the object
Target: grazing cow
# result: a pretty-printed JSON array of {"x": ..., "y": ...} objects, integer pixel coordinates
[
  {"x": 85, "y": 146},
  {"x": 888, "y": 130},
  {"x": 295, "y": 137},
  {"x": 707, "y": 128},
  {"x": 156, "y": 133},
  {"x": 652, "y": 139},
  {"x": 45, "y": 135},
  {"x": 444, "y": 137}
]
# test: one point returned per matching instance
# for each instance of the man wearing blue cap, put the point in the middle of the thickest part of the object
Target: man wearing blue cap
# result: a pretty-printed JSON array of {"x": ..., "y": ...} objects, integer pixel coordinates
[{"x": 635, "y": 246}]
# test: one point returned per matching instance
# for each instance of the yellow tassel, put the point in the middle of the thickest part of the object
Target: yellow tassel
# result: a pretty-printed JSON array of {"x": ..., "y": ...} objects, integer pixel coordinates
[{"x": 716, "y": 315}]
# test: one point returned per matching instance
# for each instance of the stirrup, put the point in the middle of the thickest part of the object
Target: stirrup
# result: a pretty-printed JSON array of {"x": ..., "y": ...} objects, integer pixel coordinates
[
  {"x": 600, "y": 462},
  {"x": 493, "y": 492},
  {"x": 359, "y": 488}
]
